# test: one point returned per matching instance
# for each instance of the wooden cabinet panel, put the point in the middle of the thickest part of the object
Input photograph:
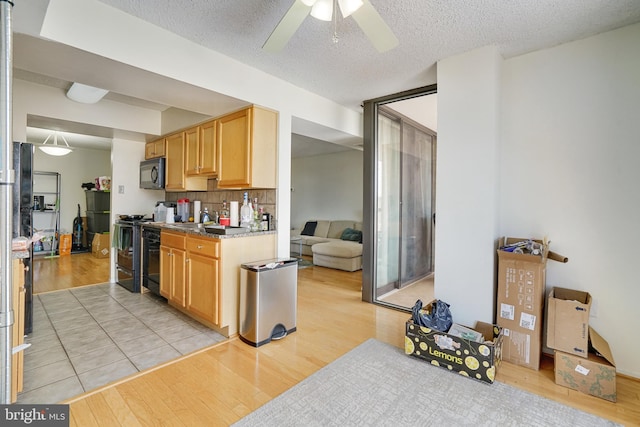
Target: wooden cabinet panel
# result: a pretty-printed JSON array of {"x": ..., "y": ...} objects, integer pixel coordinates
[
  {"x": 172, "y": 267},
  {"x": 17, "y": 359},
  {"x": 203, "y": 287},
  {"x": 247, "y": 147},
  {"x": 208, "y": 148},
  {"x": 175, "y": 179},
  {"x": 179, "y": 282},
  {"x": 154, "y": 149},
  {"x": 202, "y": 153},
  {"x": 192, "y": 153},
  {"x": 234, "y": 142}
]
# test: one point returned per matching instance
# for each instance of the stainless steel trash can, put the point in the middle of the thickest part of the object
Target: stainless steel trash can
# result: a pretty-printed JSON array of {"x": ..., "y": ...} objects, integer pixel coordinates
[{"x": 268, "y": 300}]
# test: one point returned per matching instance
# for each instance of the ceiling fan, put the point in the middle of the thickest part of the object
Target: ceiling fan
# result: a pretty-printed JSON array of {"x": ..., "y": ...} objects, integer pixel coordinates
[{"x": 362, "y": 11}]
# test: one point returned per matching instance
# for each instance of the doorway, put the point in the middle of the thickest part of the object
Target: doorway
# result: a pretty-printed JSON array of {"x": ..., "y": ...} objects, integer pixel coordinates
[{"x": 400, "y": 170}]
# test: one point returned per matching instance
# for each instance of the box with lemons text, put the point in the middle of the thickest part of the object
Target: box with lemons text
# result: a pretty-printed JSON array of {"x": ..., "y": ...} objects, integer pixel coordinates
[{"x": 477, "y": 360}]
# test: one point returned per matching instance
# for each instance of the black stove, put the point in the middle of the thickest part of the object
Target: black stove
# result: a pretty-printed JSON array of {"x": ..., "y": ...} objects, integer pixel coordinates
[{"x": 128, "y": 251}]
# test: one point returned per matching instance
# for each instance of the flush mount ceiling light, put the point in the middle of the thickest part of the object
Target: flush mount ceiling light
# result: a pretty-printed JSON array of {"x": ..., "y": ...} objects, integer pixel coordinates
[
  {"x": 85, "y": 94},
  {"x": 54, "y": 149},
  {"x": 362, "y": 11}
]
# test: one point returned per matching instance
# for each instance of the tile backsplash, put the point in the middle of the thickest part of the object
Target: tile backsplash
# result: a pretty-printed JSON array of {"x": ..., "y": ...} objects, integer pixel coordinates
[{"x": 213, "y": 197}]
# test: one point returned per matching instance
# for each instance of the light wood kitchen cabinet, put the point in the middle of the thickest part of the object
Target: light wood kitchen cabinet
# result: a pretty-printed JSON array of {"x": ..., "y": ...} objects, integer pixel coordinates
[
  {"x": 202, "y": 152},
  {"x": 154, "y": 149},
  {"x": 176, "y": 178},
  {"x": 17, "y": 359},
  {"x": 173, "y": 283},
  {"x": 210, "y": 271},
  {"x": 203, "y": 267},
  {"x": 247, "y": 148}
]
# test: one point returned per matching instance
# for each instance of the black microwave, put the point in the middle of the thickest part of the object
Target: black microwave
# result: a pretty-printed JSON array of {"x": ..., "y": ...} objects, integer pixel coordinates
[{"x": 152, "y": 174}]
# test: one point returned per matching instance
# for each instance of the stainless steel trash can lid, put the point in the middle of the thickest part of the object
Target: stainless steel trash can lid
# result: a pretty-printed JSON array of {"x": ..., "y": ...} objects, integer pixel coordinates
[{"x": 269, "y": 264}]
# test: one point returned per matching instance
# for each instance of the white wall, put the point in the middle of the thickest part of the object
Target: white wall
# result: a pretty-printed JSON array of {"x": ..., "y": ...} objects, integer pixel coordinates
[
  {"x": 76, "y": 168},
  {"x": 125, "y": 159},
  {"x": 570, "y": 153},
  {"x": 467, "y": 182},
  {"x": 326, "y": 187}
]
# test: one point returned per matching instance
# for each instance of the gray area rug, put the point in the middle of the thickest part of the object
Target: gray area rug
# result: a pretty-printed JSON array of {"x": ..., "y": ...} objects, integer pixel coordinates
[{"x": 377, "y": 384}]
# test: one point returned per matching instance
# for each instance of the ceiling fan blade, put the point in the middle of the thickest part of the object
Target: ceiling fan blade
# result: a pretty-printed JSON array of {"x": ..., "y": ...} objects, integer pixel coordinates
[
  {"x": 287, "y": 26},
  {"x": 375, "y": 28}
]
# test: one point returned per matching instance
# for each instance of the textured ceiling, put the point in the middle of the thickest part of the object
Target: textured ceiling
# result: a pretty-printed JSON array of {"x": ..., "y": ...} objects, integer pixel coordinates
[{"x": 352, "y": 70}]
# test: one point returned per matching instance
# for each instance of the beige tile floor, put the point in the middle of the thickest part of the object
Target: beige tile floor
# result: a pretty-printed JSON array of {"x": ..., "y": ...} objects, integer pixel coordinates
[{"x": 86, "y": 337}]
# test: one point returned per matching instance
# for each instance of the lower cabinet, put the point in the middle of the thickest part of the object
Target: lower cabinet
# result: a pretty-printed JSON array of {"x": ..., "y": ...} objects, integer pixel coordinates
[
  {"x": 173, "y": 284},
  {"x": 17, "y": 361},
  {"x": 203, "y": 267},
  {"x": 200, "y": 276}
]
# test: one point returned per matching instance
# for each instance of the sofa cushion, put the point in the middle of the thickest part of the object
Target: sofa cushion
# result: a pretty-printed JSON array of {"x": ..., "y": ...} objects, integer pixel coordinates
[
  {"x": 351, "y": 235},
  {"x": 309, "y": 228},
  {"x": 337, "y": 227},
  {"x": 338, "y": 248},
  {"x": 322, "y": 229}
]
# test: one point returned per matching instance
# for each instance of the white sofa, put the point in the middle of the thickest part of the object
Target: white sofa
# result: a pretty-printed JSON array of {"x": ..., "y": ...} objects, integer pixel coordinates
[{"x": 327, "y": 247}]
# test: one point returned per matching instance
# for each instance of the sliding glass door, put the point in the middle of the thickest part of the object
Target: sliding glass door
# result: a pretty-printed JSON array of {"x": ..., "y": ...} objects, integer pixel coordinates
[{"x": 399, "y": 201}]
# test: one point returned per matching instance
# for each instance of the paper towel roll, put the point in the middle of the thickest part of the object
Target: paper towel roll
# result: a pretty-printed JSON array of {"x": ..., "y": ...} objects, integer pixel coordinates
[
  {"x": 170, "y": 215},
  {"x": 234, "y": 213},
  {"x": 196, "y": 210}
]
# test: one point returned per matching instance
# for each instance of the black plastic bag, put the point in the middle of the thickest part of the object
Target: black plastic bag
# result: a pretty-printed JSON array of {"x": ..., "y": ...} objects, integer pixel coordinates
[{"x": 439, "y": 318}]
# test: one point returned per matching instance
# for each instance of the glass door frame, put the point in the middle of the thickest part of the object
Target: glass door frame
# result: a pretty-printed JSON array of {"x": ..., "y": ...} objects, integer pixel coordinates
[{"x": 370, "y": 157}]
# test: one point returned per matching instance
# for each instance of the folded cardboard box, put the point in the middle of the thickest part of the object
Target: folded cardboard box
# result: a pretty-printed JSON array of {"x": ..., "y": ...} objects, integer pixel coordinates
[
  {"x": 477, "y": 360},
  {"x": 101, "y": 245},
  {"x": 520, "y": 301},
  {"x": 568, "y": 321},
  {"x": 594, "y": 375}
]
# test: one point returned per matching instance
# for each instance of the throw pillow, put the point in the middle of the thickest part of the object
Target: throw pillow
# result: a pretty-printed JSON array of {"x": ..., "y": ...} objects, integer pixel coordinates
[
  {"x": 351, "y": 235},
  {"x": 309, "y": 228}
]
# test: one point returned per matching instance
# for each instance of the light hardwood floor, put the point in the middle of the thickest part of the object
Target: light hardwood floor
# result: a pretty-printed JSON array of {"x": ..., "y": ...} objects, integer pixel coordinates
[
  {"x": 69, "y": 271},
  {"x": 219, "y": 385}
]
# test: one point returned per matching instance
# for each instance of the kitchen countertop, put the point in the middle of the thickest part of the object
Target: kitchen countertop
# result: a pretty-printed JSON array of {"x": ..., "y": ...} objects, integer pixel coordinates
[{"x": 202, "y": 232}]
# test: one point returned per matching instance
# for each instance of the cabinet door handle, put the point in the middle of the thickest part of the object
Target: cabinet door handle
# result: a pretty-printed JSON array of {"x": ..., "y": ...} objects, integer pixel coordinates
[{"x": 200, "y": 246}]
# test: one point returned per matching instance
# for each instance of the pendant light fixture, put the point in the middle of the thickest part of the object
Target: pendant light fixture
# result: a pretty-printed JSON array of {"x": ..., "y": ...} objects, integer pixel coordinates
[{"x": 54, "y": 149}]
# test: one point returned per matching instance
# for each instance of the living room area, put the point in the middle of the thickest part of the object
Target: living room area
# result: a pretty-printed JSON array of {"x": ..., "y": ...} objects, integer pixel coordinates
[{"x": 327, "y": 203}]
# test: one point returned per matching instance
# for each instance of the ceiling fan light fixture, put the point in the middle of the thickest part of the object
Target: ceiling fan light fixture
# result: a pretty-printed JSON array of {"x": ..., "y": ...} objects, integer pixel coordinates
[
  {"x": 55, "y": 149},
  {"x": 347, "y": 7},
  {"x": 85, "y": 94},
  {"x": 308, "y": 2},
  {"x": 322, "y": 10}
]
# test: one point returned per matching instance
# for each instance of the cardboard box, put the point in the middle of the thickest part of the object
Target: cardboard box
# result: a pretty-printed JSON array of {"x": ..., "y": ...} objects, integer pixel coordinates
[
  {"x": 594, "y": 375},
  {"x": 477, "y": 360},
  {"x": 568, "y": 321},
  {"x": 520, "y": 304},
  {"x": 101, "y": 245}
]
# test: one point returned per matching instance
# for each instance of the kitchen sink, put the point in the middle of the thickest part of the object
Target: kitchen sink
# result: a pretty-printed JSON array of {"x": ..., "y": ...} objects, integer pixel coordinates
[
  {"x": 188, "y": 225},
  {"x": 225, "y": 229}
]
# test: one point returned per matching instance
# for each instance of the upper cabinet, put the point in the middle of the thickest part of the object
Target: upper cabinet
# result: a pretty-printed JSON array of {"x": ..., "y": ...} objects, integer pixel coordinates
[
  {"x": 247, "y": 149},
  {"x": 176, "y": 178},
  {"x": 202, "y": 152},
  {"x": 154, "y": 149}
]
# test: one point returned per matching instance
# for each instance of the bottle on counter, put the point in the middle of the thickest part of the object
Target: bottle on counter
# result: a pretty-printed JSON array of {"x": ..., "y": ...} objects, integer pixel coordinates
[
  {"x": 205, "y": 217},
  {"x": 246, "y": 212},
  {"x": 225, "y": 218},
  {"x": 160, "y": 213},
  {"x": 255, "y": 223}
]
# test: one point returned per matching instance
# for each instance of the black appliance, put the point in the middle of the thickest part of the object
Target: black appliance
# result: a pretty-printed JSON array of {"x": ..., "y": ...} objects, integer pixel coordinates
[
  {"x": 128, "y": 252},
  {"x": 151, "y": 259},
  {"x": 23, "y": 217}
]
